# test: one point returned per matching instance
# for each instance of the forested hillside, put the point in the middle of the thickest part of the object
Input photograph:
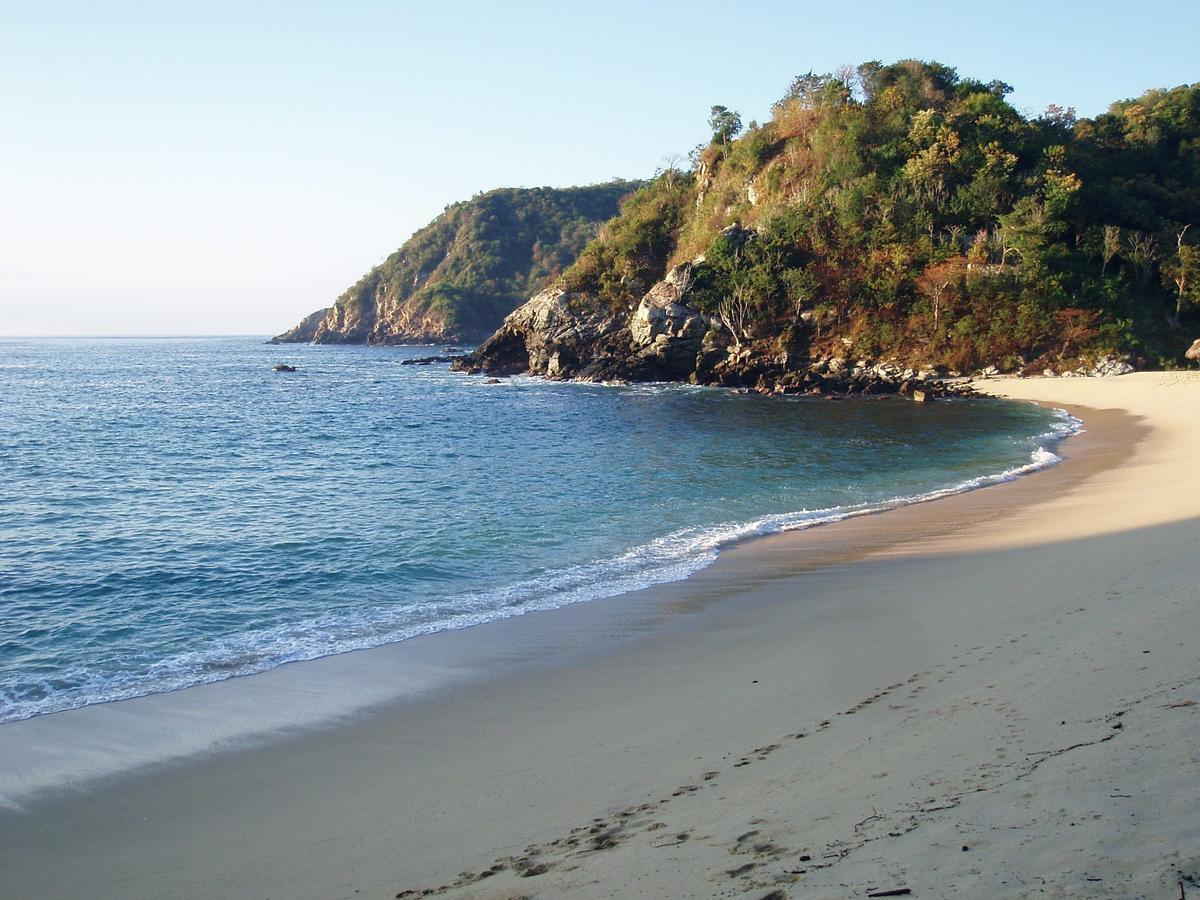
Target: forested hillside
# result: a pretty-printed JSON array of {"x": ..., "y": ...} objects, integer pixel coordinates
[{"x": 902, "y": 212}]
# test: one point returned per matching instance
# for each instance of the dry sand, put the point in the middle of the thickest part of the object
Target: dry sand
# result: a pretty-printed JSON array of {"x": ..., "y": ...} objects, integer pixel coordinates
[{"x": 989, "y": 695}]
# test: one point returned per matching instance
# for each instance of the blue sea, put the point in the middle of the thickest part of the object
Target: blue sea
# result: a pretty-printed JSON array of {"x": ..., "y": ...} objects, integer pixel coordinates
[{"x": 173, "y": 512}]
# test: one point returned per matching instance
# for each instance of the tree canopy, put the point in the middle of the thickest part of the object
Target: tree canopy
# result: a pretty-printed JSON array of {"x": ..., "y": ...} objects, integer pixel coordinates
[
  {"x": 725, "y": 124},
  {"x": 921, "y": 215}
]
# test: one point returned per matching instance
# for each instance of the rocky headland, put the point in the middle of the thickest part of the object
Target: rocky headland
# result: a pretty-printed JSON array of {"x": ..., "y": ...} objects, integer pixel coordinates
[
  {"x": 564, "y": 336},
  {"x": 890, "y": 229},
  {"x": 455, "y": 279}
]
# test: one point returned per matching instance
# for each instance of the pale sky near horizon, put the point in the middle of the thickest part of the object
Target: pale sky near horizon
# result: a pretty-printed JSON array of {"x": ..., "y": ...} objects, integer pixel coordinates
[{"x": 227, "y": 168}]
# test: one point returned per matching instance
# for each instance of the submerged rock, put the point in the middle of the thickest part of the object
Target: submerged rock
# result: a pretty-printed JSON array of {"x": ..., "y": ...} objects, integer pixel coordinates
[
  {"x": 284, "y": 367},
  {"x": 430, "y": 360}
]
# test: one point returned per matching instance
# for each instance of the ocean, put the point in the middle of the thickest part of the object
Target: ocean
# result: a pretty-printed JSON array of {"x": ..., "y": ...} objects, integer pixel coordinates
[{"x": 173, "y": 512}]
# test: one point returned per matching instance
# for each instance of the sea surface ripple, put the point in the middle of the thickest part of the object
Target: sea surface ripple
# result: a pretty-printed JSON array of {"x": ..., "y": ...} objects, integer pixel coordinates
[{"x": 174, "y": 512}]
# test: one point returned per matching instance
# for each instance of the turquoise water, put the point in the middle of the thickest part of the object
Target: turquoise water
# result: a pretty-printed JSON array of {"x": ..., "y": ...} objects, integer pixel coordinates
[{"x": 173, "y": 512}]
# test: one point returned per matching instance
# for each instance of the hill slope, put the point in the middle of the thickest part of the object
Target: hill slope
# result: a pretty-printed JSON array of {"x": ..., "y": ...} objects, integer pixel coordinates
[
  {"x": 890, "y": 214},
  {"x": 456, "y": 278}
]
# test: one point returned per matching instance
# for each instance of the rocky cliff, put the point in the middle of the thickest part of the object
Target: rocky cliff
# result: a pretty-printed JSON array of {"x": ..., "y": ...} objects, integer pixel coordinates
[
  {"x": 457, "y": 278},
  {"x": 561, "y": 335}
]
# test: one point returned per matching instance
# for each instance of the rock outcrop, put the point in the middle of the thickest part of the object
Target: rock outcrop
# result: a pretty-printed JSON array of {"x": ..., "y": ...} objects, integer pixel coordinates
[
  {"x": 549, "y": 336},
  {"x": 1193, "y": 352},
  {"x": 562, "y": 336},
  {"x": 1104, "y": 367},
  {"x": 305, "y": 331}
]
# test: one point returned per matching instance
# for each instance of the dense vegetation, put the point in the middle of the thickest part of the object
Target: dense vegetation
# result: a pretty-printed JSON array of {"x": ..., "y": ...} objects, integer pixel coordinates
[
  {"x": 902, "y": 211},
  {"x": 458, "y": 277}
]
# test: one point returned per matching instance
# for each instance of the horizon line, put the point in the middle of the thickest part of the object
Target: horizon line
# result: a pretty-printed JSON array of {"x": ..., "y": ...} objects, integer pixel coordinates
[{"x": 4, "y": 337}]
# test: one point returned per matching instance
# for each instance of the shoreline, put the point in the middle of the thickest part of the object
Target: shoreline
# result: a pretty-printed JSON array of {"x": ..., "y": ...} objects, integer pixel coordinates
[
  {"x": 829, "y": 619},
  {"x": 705, "y": 547},
  {"x": 165, "y": 728}
]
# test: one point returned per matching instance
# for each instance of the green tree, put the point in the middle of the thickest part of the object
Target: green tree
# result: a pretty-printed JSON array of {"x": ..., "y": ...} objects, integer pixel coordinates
[
  {"x": 725, "y": 124},
  {"x": 1182, "y": 272}
]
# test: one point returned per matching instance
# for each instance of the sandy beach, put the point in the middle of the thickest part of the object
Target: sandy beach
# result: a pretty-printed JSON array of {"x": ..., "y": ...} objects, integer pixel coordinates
[{"x": 993, "y": 694}]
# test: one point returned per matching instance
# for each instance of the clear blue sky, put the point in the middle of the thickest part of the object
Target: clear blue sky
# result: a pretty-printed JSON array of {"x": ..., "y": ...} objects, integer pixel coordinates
[{"x": 225, "y": 168}]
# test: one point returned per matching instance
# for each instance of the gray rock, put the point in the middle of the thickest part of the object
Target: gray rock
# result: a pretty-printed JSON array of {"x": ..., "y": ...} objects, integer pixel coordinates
[
  {"x": 661, "y": 317},
  {"x": 1106, "y": 366}
]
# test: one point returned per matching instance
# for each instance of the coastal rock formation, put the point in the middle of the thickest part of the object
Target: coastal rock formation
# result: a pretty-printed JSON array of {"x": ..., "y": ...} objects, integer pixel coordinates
[
  {"x": 567, "y": 336},
  {"x": 430, "y": 360},
  {"x": 666, "y": 336},
  {"x": 456, "y": 279},
  {"x": 546, "y": 336},
  {"x": 305, "y": 330},
  {"x": 1193, "y": 352}
]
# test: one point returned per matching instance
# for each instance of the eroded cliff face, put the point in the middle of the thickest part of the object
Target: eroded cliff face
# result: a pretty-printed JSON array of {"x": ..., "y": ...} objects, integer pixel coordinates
[
  {"x": 349, "y": 323},
  {"x": 377, "y": 316},
  {"x": 561, "y": 336}
]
